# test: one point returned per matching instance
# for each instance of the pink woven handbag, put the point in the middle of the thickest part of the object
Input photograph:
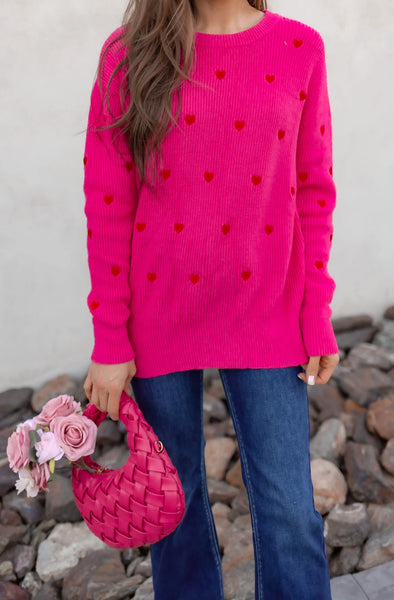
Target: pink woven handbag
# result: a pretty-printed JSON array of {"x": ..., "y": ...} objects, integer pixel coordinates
[{"x": 141, "y": 502}]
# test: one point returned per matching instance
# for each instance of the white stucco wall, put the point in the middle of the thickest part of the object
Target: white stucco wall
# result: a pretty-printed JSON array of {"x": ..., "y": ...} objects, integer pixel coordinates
[{"x": 48, "y": 56}]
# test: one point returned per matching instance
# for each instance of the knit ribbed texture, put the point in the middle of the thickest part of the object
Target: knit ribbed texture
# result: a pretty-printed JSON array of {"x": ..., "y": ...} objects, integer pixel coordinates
[{"x": 225, "y": 266}]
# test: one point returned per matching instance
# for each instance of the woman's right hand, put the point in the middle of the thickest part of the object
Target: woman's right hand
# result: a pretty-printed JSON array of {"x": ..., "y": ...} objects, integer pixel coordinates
[{"x": 104, "y": 385}]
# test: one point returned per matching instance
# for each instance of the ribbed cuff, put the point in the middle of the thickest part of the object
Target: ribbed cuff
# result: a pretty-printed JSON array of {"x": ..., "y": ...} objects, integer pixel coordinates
[
  {"x": 318, "y": 333},
  {"x": 112, "y": 346}
]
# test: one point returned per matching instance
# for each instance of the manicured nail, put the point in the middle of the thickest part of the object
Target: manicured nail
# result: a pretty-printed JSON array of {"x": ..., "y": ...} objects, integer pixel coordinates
[
  {"x": 300, "y": 376},
  {"x": 311, "y": 380}
]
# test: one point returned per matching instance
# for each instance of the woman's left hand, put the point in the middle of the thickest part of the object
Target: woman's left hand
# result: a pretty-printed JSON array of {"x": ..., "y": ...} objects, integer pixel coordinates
[{"x": 319, "y": 369}]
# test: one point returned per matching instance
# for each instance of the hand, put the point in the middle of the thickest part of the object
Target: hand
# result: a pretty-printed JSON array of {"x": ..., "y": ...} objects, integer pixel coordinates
[
  {"x": 104, "y": 385},
  {"x": 321, "y": 367}
]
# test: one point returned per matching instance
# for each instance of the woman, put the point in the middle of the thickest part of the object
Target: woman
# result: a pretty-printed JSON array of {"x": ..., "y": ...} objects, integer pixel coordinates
[{"x": 209, "y": 219}]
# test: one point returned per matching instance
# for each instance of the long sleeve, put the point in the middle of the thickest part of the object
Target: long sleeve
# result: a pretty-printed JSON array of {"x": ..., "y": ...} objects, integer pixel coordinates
[
  {"x": 316, "y": 200},
  {"x": 110, "y": 205}
]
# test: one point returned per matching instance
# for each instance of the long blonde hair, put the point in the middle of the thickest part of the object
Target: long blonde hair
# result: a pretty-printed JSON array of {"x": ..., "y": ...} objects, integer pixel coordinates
[{"x": 159, "y": 36}]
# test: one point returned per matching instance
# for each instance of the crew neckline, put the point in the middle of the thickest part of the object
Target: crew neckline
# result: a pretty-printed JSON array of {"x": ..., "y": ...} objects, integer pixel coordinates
[{"x": 241, "y": 37}]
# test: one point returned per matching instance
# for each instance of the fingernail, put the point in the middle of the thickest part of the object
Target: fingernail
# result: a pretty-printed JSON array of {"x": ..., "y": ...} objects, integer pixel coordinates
[
  {"x": 300, "y": 376},
  {"x": 311, "y": 380}
]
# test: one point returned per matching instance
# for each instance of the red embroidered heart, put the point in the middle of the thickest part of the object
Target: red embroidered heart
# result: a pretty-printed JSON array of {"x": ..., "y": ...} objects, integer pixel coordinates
[
  {"x": 151, "y": 276},
  {"x": 190, "y": 119},
  {"x": 239, "y": 125},
  {"x": 245, "y": 275},
  {"x": 331, "y": 237},
  {"x": 140, "y": 226},
  {"x": 220, "y": 74},
  {"x": 225, "y": 228},
  {"x": 303, "y": 176},
  {"x": 270, "y": 78},
  {"x": 105, "y": 118},
  {"x": 292, "y": 190},
  {"x": 208, "y": 176},
  {"x": 115, "y": 270},
  {"x": 90, "y": 233},
  {"x": 302, "y": 95},
  {"x": 319, "y": 264},
  {"x": 85, "y": 160},
  {"x": 194, "y": 278},
  {"x": 256, "y": 179},
  {"x": 297, "y": 43},
  {"x": 321, "y": 203},
  {"x": 322, "y": 128},
  {"x": 165, "y": 173},
  {"x": 178, "y": 227},
  {"x": 129, "y": 165},
  {"x": 330, "y": 169},
  {"x": 94, "y": 305},
  {"x": 281, "y": 133},
  {"x": 108, "y": 198},
  {"x": 269, "y": 229}
]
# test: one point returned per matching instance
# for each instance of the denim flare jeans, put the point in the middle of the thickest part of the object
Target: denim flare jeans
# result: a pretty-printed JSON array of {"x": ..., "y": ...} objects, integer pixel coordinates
[{"x": 269, "y": 409}]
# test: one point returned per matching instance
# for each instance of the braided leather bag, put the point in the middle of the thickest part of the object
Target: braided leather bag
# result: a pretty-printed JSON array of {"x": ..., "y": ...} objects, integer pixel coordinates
[{"x": 141, "y": 502}]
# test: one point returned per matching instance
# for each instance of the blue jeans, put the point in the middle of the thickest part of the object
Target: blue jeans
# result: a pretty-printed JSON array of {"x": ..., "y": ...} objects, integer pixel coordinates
[{"x": 269, "y": 409}]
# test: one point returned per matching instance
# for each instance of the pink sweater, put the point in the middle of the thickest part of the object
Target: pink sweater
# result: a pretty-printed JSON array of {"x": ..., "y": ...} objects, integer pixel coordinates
[{"x": 226, "y": 265}]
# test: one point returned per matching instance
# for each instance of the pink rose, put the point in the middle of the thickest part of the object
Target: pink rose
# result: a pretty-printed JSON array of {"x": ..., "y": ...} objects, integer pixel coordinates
[
  {"x": 18, "y": 447},
  {"x": 56, "y": 407},
  {"x": 76, "y": 434},
  {"x": 47, "y": 447},
  {"x": 40, "y": 475}
]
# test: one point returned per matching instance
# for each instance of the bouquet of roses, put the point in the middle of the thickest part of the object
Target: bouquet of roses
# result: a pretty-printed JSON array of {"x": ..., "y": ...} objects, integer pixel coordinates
[{"x": 60, "y": 429}]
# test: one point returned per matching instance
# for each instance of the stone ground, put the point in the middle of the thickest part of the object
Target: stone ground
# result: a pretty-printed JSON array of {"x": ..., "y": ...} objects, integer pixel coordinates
[{"x": 376, "y": 583}]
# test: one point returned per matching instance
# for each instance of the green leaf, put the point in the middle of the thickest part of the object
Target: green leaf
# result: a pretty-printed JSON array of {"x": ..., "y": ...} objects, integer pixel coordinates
[
  {"x": 34, "y": 436},
  {"x": 52, "y": 465},
  {"x": 33, "y": 454}
]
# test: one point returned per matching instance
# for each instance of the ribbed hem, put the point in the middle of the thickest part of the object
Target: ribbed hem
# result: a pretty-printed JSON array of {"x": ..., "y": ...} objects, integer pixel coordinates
[
  {"x": 318, "y": 334},
  {"x": 241, "y": 37},
  {"x": 272, "y": 343},
  {"x": 112, "y": 346}
]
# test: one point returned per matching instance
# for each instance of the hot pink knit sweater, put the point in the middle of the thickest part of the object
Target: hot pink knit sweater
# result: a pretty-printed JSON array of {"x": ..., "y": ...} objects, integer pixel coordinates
[{"x": 226, "y": 265}]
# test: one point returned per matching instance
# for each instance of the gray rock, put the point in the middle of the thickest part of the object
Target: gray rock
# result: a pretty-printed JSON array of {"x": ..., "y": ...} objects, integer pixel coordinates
[
  {"x": 329, "y": 442},
  {"x": 345, "y": 561},
  {"x": 387, "y": 457},
  {"x": 7, "y": 571},
  {"x": 64, "y": 547},
  {"x": 31, "y": 509},
  {"x": 378, "y": 548},
  {"x": 370, "y": 355},
  {"x": 60, "y": 501},
  {"x": 365, "y": 477},
  {"x": 145, "y": 591},
  {"x": 31, "y": 583},
  {"x": 48, "y": 591},
  {"x": 359, "y": 383},
  {"x": 10, "y": 534},
  {"x": 213, "y": 408},
  {"x": 7, "y": 478},
  {"x": 385, "y": 336},
  {"x": 341, "y": 324},
  {"x": 348, "y": 339},
  {"x": 13, "y": 399},
  {"x": 144, "y": 568},
  {"x": 347, "y": 525},
  {"x": 220, "y": 491},
  {"x": 360, "y": 433},
  {"x": 108, "y": 432}
]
